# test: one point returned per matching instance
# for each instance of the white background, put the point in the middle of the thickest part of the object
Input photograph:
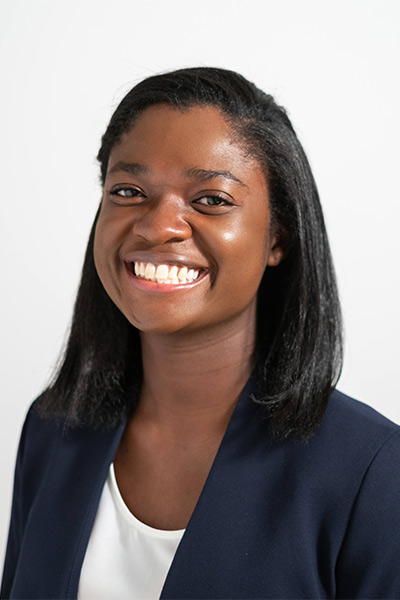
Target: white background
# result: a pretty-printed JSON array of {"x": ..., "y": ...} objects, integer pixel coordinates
[{"x": 65, "y": 65}]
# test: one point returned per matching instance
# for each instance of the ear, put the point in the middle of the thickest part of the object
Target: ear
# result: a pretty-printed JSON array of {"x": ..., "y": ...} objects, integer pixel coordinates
[{"x": 280, "y": 246}]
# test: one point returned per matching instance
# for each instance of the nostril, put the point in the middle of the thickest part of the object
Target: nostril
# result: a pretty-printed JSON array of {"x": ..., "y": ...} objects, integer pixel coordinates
[{"x": 161, "y": 225}]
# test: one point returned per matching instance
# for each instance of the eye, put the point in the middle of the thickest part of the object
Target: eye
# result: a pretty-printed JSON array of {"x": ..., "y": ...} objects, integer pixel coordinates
[
  {"x": 213, "y": 200},
  {"x": 125, "y": 195},
  {"x": 126, "y": 192}
]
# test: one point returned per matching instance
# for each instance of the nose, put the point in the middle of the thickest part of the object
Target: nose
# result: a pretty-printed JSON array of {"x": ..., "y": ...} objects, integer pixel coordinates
[{"x": 162, "y": 220}]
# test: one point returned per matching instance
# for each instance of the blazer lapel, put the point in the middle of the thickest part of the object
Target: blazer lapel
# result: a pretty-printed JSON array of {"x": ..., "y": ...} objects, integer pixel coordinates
[
  {"x": 209, "y": 549},
  {"x": 62, "y": 515}
]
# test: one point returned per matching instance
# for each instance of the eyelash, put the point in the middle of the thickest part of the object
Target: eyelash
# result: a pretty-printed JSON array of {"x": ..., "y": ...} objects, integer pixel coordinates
[
  {"x": 220, "y": 200},
  {"x": 116, "y": 192}
]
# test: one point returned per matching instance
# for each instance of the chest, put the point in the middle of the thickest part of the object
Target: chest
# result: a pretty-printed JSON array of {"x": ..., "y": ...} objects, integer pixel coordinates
[
  {"x": 161, "y": 483},
  {"x": 269, "y": 521}
]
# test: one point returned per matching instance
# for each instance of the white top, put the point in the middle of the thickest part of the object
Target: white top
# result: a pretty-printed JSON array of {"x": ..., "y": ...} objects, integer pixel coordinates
[{"x": 125, "y": 558}]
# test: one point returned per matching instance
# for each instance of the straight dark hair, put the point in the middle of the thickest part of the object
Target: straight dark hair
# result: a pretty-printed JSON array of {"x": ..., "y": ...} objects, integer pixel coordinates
[{"x": 298, "y": 354}]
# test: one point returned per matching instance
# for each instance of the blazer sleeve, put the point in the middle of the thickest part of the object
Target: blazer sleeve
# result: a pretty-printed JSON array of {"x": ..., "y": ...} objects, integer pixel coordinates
[
  {"x": 16, "y": 521},
  {"x": 369, "y": 562}
]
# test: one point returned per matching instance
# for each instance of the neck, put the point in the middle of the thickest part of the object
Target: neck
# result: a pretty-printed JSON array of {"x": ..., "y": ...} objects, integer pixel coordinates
[{"x": 192, "y": 382}]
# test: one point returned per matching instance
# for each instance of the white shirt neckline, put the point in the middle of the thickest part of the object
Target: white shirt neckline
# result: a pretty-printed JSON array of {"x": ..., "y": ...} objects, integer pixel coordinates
[
  {"x": 133, "y": 521},
  {"x": 125, "y": 558}
]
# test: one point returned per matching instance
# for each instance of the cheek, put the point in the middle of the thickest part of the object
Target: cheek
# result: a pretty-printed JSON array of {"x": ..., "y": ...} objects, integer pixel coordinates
[
  {"x": 251, "y": 241},
  {"x": 105, "y": 243},
  {"x": 107, "y": 234},
  {"x": 99, "y": 248},
  {"x": 244, "y": 250}
]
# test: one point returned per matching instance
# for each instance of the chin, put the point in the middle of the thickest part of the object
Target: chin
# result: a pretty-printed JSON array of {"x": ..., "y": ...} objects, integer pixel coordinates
[{"x": 160, "y": 326}]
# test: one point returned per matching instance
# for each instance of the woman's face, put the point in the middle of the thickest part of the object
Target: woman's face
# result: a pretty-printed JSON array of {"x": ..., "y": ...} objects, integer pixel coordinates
[{"x": 182, "y": 200}]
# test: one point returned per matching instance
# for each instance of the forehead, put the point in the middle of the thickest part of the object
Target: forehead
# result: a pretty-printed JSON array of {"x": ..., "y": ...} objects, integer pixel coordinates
[
  {"x": 199, "y": 136},
  {"x": 164, "y": 120}
]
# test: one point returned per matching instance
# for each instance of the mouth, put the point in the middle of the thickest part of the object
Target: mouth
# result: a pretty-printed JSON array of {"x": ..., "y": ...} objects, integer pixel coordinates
[{"x": 166, "y": 274}]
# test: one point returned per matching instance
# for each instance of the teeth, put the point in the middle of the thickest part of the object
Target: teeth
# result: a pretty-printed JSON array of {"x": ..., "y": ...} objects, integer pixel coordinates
[
  {"x": 150, "y": 272},
  {"x": 162, "y": 273},
  {"x": 165, "y": 274},
  {"x": 182, "y": 274},
  {"x": 173, "y": 272}
]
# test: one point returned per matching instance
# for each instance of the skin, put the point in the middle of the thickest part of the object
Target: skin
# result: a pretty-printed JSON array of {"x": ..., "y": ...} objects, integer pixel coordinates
[{"x": 198, "y": 339}]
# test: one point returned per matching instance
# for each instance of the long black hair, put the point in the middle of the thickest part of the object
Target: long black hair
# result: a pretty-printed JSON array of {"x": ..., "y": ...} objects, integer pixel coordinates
[{"x": 298, "y": 354}]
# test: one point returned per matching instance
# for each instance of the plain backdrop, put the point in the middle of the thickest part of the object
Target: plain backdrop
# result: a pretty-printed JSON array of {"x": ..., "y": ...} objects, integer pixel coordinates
[{"x": 65, "y": 65}]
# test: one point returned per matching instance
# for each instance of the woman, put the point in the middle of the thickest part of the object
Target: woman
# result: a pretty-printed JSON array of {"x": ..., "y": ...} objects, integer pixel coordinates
[{"x": 192, "y": 444}]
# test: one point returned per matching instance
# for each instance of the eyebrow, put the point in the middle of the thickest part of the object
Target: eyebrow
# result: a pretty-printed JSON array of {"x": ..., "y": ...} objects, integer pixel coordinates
[
  {"x": 206, "y": 174},
  {"x": 194, "y": 173},
  {"x": 131, "y": 168}
]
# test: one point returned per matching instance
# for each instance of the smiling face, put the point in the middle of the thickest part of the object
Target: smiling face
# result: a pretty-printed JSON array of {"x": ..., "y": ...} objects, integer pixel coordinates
[{"x": 183, "y": 236}]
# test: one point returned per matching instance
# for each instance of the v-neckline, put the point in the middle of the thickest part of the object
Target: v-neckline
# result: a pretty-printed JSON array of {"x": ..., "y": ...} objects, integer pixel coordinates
[{"x": 243, "y": 407}]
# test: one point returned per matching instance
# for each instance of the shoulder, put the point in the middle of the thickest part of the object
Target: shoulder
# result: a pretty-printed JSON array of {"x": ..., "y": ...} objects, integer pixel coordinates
[
  {"x": 46, "y": 440},
  {"x": 39, "y": 442},
  {"x": 355, "y": 424},
  {"x": 39, "y": 435},
  {"x": 369, "y": 446},
  {"x": 353, "y": 441},
  {"x": 355, "y": 412},
  {"x": 50, "y": 454}
]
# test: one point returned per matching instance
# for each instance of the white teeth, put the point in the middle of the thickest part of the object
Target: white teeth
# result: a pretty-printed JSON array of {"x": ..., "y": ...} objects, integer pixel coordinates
[
  {"x": 182, "y": 274},
  {"x": 173, "y": 272},
  {"x": 150, "y": 271},
  {"x": 165, "y": 274},
  {"x": 161, "y": 273}
]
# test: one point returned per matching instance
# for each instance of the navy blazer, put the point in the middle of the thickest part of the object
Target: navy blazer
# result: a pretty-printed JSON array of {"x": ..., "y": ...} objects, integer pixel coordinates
[{"x": 275, "y": 519}]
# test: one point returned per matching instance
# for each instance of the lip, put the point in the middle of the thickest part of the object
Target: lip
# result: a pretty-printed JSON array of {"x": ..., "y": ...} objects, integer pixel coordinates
[
  {"x": 165, "y": 259},
  {"x": 162, "y": 288}
]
